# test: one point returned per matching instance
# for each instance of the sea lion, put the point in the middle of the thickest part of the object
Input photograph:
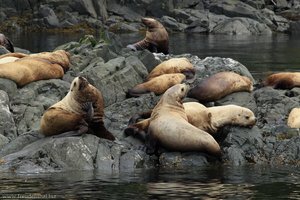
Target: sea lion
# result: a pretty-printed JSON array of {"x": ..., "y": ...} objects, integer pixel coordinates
[
  {"x": 158, "y": 85},
  {"x": 170, "y": 128},
  {"x": 5, "y": 42},
  {"x": 294, "y": 118},
  {"x": 173, "y": 65},
  {"x": 80, "y": 111},
  {"x": 211, "y": 119},
  {"x": 283, "y": 80},
  {"x": 8, "y": 59},
  {"x": 41, "y": 66},
  {"x": 219, "y": 85},
  {"x": 156, "y": 40}
]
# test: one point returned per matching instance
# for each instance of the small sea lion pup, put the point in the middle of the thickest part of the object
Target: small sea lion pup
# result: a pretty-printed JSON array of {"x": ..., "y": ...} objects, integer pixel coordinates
[
  {"x": 158, "y": 85},
  {"x": 220, "y": 85},
  {"x": 80, "y": 111},
  {"x": 283, "y": 80},
  {"x": 5, "y": 42},
  {"x": 169, "y": 126},
  {"x": 156, "y": 40},
  {"x": 34, "y": 67},
  {"x": 294, "y": 118},
  {"x": 173, "y": 65}
]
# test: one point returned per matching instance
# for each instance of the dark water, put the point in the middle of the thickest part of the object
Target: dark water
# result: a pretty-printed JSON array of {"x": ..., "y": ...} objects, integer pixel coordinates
[
  {"x": 248, "y": 182},
  {"x": 261, "y": 54}
]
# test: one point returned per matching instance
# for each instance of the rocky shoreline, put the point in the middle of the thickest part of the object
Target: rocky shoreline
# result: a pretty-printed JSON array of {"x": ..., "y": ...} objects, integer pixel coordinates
[
  {"x": 195, "y": 16},
  {"x": 113, "y": 70}
]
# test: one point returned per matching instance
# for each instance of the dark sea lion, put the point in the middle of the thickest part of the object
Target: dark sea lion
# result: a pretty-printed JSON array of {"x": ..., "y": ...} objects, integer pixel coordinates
[
  {"x": 5, "y": 42},
  {"x": 219, "y": 85},
  {"x": 156, "y": 39}
]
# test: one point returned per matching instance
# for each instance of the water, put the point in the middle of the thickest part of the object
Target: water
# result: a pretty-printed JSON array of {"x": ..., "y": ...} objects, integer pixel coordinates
[
  {"x": 217, "y": 182},
  {"x": 260, "y": 54}
]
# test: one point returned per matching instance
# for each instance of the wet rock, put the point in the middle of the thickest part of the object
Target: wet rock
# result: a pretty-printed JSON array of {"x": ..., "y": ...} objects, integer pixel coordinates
[
  {"x": 3, "y": 50},
  {"x": 135, "y": 159},
  {"x": 182, "y": 160}
]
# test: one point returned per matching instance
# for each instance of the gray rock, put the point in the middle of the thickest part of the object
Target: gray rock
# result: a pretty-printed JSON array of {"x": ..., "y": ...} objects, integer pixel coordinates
[
  {"x": 116, "y": 76},
  {"x": 50, "y": 18},
  {"x": 135, "y": 159},
  {"x": 3, "y": 50},
  {"x": 182, "y": 160},
  {"x": 7, "y": 123},
  {"x": 121, "y": 27},
  {"x": 172, "y": 24},
  {"x": 3, "y": 141},
  {"x": 9, "y": 86},
  {"x": 238, "y": 25}
]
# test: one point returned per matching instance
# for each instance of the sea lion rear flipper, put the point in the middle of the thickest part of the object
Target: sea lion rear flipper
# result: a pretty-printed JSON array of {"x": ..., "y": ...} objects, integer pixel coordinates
[{"x": 10, "y": 46}]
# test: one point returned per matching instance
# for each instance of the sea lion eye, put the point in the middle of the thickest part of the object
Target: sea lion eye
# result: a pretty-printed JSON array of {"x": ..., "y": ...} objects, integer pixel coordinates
[
  {"x": 182, "y": 89},
  {"x": 247, "y": 117}
]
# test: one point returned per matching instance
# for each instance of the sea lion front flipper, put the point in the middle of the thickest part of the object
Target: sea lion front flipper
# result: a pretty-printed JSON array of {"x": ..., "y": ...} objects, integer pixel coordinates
[
  {"x": 88, "y": 107},
  {"x": 82, "y": 129}
]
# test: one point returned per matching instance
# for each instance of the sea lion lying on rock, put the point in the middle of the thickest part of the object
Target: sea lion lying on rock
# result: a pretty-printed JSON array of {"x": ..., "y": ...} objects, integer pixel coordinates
[
  {"x": 220, "y": 85},
  {"x": 158, "y": 84},
  {"x": 34, "y": 67},
  {"x": 210, "y": 119},
  {"x": 283, "y": 80},
  {"x": 170, "y": 128},
  {"x": 5, "y": 42},
  {"x": 80, "y": 111},
  {"x": 173, "y": 65},
  {"x": 156, "y": 40}
]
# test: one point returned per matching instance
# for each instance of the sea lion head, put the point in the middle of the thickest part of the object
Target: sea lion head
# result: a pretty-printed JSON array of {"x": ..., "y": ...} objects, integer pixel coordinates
[
  {"x": 243, "y": 117},
  {"x": 81, "y": 89},
  {"x": 150, "y": 22},
  {"x": 175, "y": 94}
]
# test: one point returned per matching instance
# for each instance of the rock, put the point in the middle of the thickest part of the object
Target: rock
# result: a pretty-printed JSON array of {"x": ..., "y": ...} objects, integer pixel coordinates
[
  {"x": 7, "y": 123},
  {"x": 135, "y": 159},
  {"x": 193, "y": 4},
  {"x": 182, "y": 160},
  {"x": 3, "y": 141},
  {"x": 258, "y": 4},
  {"x": 84, "y": 7},
  {"x": 9, "y": 86},
  {"x": 50, "y": 18},
  {"x": 295, "y": 28},
  {"x": 116, "y": 76},
  {"x": 237, "y": 26},
  {"x": 171, "y": 23},
  {"x": 3, "y": 50},
  {"x": 121, "y": 27}
]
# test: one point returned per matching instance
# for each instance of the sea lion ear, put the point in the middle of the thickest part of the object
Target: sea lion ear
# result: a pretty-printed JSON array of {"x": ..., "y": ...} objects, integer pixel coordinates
[{"x": 209, "y": 115}]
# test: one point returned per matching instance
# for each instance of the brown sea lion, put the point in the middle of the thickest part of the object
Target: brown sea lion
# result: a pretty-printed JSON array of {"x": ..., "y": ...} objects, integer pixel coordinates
[
  {"x": 173, "y": 65},
  {"x": 219, "y": 85},
  {"x": 42, "y": 66},
  {"x": 158, "y": 85},
  {"x": 283, "y": 80},
  {"x": 294, "y": 118},
  {"x": 80, "y": 111},
  {"x": 156, "y": 40},
  {"x": 211, "y": 119},
  {"x": 5, "y": 42},
  {"x": 170, "y": 128}
]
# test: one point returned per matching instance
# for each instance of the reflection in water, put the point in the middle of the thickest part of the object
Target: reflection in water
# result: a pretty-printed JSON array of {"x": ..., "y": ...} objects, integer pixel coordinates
[{"x": 215, "y": 182}]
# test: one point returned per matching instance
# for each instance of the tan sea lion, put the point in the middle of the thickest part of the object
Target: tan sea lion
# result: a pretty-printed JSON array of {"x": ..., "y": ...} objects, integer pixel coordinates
[
  {"x": 158, "y": 85},
  {"x": 211, "y": 119},
  {"x": 16, "y": 55},
  {"x": 283, "y": 80},
  {"x": 173, "y": 65},
  {"x": 156, "y": 40},
  {"x": 219, "y": 85},
  {"x": 170, "y": 128},
  {"x": 294, "y": 118},
  {"x": 5, "y": 42},
  {"x": 80, "y": 111},
  {"x": 42, "y": 66},
  {"x": 8, "y": 59}
]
